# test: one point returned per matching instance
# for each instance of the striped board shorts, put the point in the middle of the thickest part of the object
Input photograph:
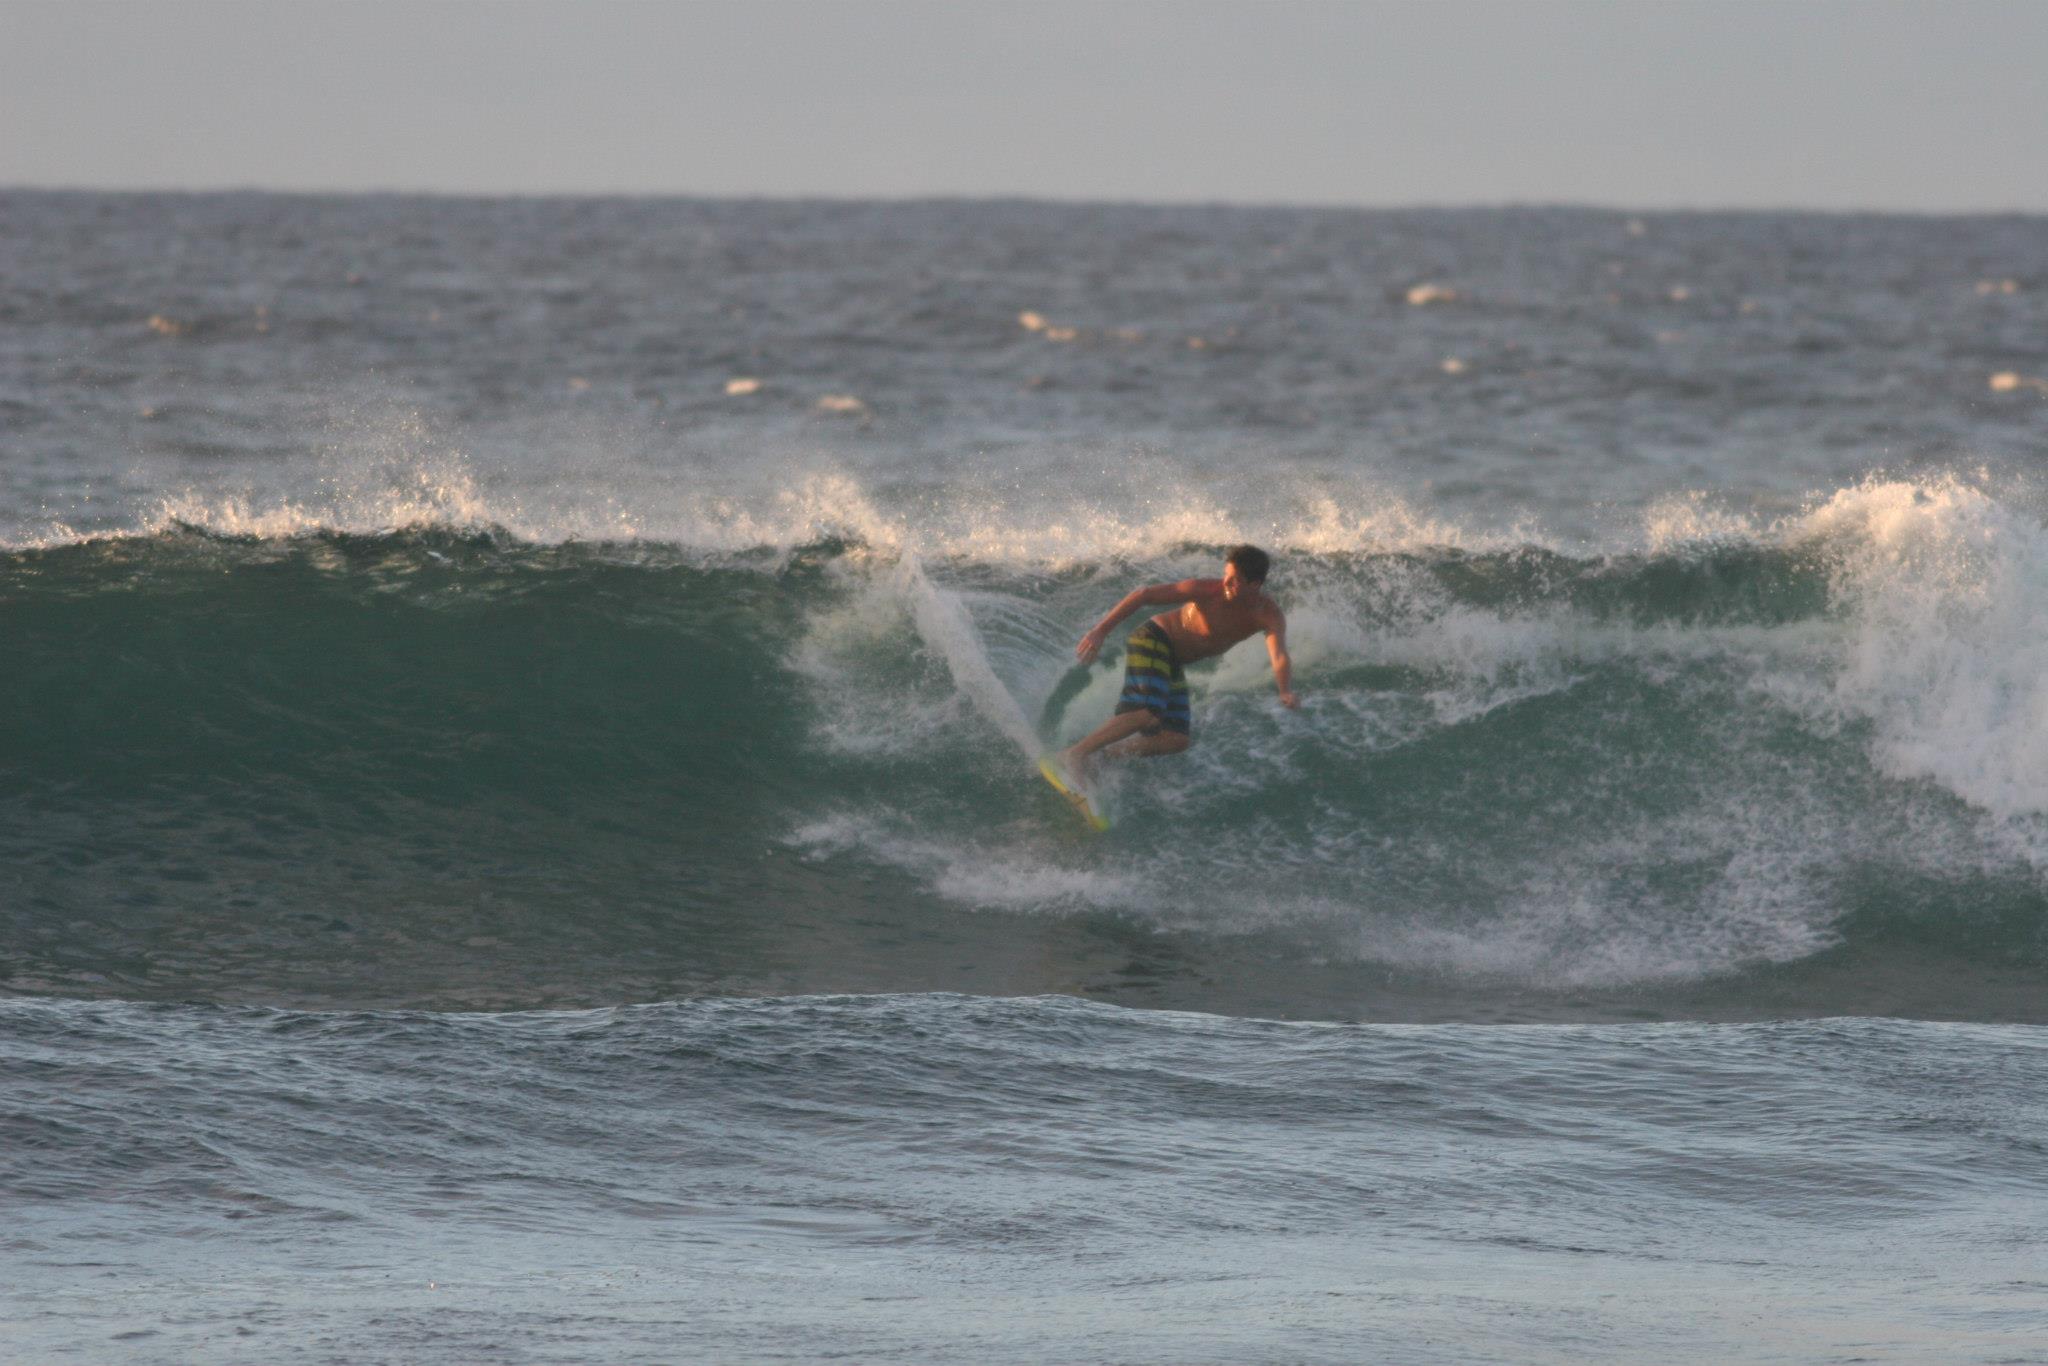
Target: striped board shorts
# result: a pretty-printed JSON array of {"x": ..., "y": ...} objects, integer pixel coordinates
[{"x": 1153, "y": 680}]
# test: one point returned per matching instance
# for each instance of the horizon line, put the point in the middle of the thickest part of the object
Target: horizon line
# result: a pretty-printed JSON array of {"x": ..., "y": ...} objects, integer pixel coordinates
[{"x": 1049, "y": 200}]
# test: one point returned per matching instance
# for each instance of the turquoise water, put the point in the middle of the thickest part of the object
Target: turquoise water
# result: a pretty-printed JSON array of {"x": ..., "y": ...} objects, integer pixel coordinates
[{"x": 463, "y": 770}]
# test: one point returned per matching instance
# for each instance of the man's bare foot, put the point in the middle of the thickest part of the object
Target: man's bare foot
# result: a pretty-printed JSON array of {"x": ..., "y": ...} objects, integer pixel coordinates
[{"x": 1076, "y": 766}]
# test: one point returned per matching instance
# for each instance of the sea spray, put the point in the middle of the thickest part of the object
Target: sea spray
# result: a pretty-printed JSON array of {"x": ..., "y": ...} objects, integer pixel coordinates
[
  {"x": 1946, "y": 593},
  {"x": 947, "y": 628}
]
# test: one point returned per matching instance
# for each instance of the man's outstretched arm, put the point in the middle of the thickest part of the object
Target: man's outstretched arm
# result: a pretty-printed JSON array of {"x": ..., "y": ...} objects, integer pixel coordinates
[
  {"x": 1158, "y": 594},
  {"x": 1283, "y": 667}
]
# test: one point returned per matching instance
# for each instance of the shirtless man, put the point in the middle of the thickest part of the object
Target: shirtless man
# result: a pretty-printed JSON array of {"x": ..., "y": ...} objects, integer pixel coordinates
[{"x": 1211, "y": 616}]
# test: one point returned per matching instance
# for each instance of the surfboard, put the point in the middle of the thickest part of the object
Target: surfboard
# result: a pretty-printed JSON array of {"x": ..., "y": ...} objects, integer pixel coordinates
[{"x": 1050, "y": 769}]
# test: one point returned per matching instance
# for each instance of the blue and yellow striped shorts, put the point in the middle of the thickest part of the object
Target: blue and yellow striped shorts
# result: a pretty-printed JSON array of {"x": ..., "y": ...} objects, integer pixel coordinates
[{"x": 1153, "y": 680}]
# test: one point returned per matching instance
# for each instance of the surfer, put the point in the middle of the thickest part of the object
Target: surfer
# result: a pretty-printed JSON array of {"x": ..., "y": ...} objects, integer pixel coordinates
[{"x": 1207, "y": 617}]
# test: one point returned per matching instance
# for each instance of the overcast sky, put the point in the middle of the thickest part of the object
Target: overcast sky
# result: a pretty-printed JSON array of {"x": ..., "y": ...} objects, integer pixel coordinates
[{"x": 1886, "y": 104}]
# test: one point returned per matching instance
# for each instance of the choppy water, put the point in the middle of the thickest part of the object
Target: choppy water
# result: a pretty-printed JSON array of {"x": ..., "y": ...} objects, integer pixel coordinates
[
  {"x": 518, "y": 832},
  {"x": 940, "y": 1177}
]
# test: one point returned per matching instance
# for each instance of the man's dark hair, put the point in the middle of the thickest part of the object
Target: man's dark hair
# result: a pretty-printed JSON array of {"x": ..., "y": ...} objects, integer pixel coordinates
[{"x": 1251, "y": 562}]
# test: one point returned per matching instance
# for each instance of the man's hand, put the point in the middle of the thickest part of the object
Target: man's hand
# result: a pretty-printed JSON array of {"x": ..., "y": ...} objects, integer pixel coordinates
[
  {"x": 1090, "y": 646},
  {"x": 1290, "y": 700}
]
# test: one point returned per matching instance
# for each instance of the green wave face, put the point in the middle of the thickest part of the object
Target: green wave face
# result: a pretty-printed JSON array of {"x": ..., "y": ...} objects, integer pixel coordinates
[{"x": 463, "y": 769}]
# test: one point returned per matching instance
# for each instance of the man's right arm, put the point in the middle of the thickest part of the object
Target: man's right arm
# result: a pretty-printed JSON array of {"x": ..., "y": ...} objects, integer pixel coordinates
[{"x": 1158, "y": 594}]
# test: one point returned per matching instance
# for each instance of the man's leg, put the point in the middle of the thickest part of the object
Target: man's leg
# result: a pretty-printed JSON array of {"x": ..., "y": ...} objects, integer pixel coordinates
[
  {"x": 1145, "y": 746},
  {"x": 1122, "y": 728}
]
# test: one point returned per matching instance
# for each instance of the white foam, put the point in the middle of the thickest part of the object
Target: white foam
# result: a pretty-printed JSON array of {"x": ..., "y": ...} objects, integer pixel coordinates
[
  {"x": 1731, "y": 880},
  {"x": 1694, "y": 519},
  {"x": 988, "y": 875},
  {"x": 1945, "y": 589}
]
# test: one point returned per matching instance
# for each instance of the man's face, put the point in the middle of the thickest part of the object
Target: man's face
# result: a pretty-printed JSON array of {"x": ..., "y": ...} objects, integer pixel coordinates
[{"x": 1235, "y": 585}]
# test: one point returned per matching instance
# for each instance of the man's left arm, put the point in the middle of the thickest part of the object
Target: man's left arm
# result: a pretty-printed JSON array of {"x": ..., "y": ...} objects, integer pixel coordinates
[{"x": 1276, "y": 649}]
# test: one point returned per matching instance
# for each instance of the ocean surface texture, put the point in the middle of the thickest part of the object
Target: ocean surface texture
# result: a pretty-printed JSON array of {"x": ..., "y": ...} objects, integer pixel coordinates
[{"x": 519, "y": 838}]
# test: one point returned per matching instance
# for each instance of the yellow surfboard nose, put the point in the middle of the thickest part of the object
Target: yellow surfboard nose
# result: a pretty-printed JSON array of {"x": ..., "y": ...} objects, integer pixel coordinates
[{"x": 1050, "y": 769}]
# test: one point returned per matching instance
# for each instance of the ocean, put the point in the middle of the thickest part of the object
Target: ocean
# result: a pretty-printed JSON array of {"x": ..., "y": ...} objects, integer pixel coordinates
[{"x": 520, "y": 841}]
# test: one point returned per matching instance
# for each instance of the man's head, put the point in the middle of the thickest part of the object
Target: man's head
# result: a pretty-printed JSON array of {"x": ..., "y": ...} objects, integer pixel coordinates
[{"x": 1244, "y": 568}]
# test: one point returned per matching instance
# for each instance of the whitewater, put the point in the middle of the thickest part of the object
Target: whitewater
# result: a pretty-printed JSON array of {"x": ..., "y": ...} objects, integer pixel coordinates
[{"x": 520, "y": 832}]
